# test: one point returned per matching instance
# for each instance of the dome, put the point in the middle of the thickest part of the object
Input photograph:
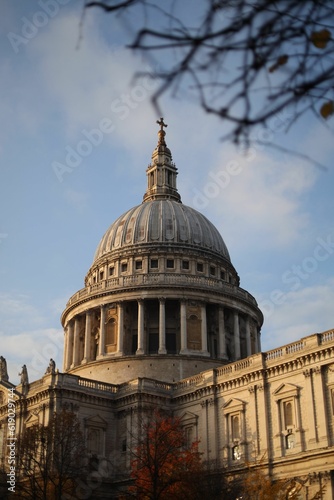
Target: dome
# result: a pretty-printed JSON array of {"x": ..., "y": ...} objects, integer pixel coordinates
[
  {"x": 162, "y": 219},
  {"x": 162, "y": 298},
  {"x": 165, "y": 222}
]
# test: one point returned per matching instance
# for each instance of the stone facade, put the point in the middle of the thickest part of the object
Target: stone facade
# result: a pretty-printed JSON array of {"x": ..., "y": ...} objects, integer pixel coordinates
[{"x": 162, "y": 322}]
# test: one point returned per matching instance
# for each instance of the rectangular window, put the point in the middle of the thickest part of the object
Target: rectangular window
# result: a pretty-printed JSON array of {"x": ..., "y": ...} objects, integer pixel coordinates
[
  {"x": 185, "y": 264},
  {"x": 212, "y": 270},
  {"x": 111, "y": 271},
  {"x": 101, "y": 275},
  {"x": 139, "y": 265},
  {"x": 170, "y": 264},
  {"x": 154, "y": 263},
  {"x": 124, "y": 267},
  {"x": 200, "y": 267},
  {"x": 222, "y": 275}
]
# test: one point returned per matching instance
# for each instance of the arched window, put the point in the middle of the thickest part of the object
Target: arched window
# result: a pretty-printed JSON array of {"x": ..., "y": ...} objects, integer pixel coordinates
[{"x": 288, "y": 414}]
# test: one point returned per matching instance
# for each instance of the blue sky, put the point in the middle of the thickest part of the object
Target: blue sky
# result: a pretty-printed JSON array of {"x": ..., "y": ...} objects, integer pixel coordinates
[{"x": 62, "y": 88}]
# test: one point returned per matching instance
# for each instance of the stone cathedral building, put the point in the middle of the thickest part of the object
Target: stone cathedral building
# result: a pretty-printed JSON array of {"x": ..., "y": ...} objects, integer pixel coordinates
[{"x": 163, "y": 322}]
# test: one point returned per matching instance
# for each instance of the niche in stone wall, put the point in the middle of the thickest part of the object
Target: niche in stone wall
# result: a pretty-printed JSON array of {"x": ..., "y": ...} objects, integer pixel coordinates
[
  {"x": 111, "y": 329},
  {"x": 194, "y": 324}
]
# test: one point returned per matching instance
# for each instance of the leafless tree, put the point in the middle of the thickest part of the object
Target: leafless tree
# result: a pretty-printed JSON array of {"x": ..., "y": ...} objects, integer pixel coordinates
[
  {"x": 243, "y": 60},
  {"x": 50, "y": 458}
]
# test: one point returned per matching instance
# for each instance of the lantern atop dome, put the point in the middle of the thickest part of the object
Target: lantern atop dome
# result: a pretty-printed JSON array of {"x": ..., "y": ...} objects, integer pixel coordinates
[{"x": 162, "y": 172}]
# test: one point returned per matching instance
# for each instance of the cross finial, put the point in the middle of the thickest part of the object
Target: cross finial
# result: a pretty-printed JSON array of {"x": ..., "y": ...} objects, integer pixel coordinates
[
  {"x": 161, "y": 133},
  {"x": 161, "y": 123}
]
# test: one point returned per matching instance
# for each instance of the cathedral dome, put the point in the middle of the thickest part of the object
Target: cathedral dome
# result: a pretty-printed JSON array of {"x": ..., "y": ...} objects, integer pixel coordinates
[
  {"x": 165, "y": 222},
  {"x": 162, "y": 222},
  {"x": 162, "y": 298}
]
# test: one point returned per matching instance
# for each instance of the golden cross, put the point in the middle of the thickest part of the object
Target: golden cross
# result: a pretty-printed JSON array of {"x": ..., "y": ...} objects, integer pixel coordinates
[{"x": 161, "y": 123}]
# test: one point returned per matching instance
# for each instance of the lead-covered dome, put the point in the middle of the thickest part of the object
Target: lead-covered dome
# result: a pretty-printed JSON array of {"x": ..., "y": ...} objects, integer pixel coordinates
[
  {"x": 162, "y": 218},
  {"x": 167, "y": 222}
]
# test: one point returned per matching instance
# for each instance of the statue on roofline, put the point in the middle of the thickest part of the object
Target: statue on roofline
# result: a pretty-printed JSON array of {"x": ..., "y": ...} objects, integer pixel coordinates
[{"x": 3, "y": 370}]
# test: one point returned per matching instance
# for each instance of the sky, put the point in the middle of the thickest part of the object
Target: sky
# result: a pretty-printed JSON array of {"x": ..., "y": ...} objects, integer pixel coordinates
[{"x": 76, "y": 136}]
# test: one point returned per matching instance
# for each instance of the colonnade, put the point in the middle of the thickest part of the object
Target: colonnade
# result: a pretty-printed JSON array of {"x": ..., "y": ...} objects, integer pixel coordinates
[{"x": 79, "y": 331}]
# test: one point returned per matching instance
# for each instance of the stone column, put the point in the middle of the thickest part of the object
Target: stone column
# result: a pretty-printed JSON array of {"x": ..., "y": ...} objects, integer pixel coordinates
[
  {"x": 259, "y": 341},
  {"x": 222, "y": 337},
  {"x": 237, "y": 353},
  {"x": 65, "y": 355},
  {"x": 88, "y": 336},
  {"x": 69, "y": 345},
  {"x": 312, "y": 434},
  {"x": 140, "y": 347},
  {"x": 248, "y": 337},
  {"x": 319, "y": 404},
  {"x": 76, "y": 343},
  {"x": 265, "y": 445},
  {"x": 183, "y": 326},
  {"x": 162, "y": 326},
  {"x": 204, "y": 333},
  {"x": 102, "y": 339},
  {"x": 120, "y": 328}
]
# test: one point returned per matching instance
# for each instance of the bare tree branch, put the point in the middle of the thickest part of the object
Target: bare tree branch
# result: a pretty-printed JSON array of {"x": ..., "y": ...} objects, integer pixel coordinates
[{"x": 243, "y": 60}]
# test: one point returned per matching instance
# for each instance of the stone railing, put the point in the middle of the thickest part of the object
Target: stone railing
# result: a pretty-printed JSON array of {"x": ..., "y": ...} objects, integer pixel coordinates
[
  {"x": 327, "y": 336},
  {"x": 97, "y": 386},
  {"x": 234, "y": 367},
  {"x": 190, "y": 382},
  {"x": 286, "y": 350},
  {"x": 164, "y": 279},
  {"x": 310, "y": 342}
]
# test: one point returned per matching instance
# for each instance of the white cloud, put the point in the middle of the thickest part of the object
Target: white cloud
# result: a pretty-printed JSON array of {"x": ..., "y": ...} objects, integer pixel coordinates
[
  {"x": 25, "y": 337},
  {"x": 262, "y": 197},
  {"x": 78, "y": 200},
  {"x": 306, "y": 311},
  {"x": 33, "y": 348},
  {"x": 92, "y": 81},
  {"x": 16, "y": 310}
]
